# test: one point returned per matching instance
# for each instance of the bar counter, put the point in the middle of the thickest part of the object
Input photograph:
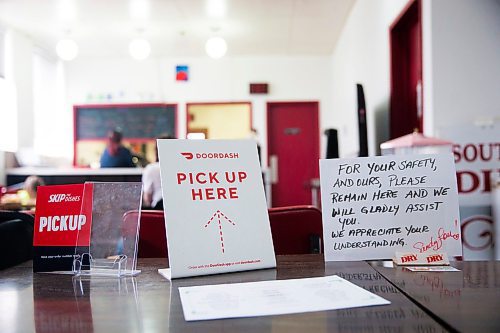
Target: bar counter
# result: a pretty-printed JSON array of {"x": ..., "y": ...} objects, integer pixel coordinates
[
  {"x": 465, "y": 301},
  {"x": 149, "y": 303},
  {"x": 68, "y": 175}
]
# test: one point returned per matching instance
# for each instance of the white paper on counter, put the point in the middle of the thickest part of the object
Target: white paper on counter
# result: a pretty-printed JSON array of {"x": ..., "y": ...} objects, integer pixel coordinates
[
  {"x": 275, "y": 297},
  {"x": 432, "y": 269}
]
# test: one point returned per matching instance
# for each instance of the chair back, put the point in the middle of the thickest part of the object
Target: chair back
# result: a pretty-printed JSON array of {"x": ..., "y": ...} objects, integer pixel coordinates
[
  {"x": 16, "y": 238},
  {"x": 296, "y": 229},
  {"x": 152, "y": 236}
]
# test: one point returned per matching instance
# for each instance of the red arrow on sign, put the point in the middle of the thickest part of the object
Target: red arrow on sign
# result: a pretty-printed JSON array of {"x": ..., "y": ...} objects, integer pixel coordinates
[{"x": 219, "y": 215}]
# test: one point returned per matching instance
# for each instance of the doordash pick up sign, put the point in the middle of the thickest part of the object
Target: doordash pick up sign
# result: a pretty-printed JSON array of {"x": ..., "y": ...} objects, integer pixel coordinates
[
  {"x": 375, "y": 207},
  {"x": 62, "y": 223},
  {"x": 215, "y": 210}
]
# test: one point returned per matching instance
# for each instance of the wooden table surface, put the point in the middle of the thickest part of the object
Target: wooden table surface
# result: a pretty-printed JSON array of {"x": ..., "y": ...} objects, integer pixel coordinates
[
  {"x": 465, "y": 301},
  {"x": 148, "y": 302}
]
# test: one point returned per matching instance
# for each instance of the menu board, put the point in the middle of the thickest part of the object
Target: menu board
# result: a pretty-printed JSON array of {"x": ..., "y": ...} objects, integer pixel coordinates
[
  {"x": 138, "y": 121},
  {"x": 375, "y": 206}
]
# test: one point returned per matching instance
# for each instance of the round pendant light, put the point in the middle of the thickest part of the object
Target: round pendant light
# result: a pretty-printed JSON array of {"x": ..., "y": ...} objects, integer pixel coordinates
[
  {"x": 139, "y": 49},
  {"x": 216, "y": 47},
  {"x": 67, "y": 49}
]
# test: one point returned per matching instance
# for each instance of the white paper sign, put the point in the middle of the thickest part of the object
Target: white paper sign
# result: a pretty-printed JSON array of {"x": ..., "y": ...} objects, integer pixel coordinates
[
  {"x": 267, "y": 298},
  {"x": 375, "y": 206},
  {"x": 215, "y": 209}
]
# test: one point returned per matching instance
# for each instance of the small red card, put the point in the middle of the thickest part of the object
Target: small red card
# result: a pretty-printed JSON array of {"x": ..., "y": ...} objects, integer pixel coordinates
[{"x": 63, "y": 223}]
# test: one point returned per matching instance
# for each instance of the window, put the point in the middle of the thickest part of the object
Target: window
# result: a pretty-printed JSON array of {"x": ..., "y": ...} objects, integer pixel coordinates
[
  {"x": 8, "y": 116},
  {"x": 8, "y": 107},
  {"x": 52, "y": 121},
  {"x": 2, "y": 52}
]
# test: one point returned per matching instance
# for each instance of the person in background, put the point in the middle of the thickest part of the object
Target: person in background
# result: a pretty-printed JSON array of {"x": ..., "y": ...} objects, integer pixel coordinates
[
  {"x": 151, "y": 181},
  {"x": 116, "y": 155},
  {"x": 255, "y": 136},
  {"x": 31, "y": 184}
]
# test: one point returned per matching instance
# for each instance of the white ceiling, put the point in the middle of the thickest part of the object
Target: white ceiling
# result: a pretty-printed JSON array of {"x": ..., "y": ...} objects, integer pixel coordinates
[{"x": 181, "y": 27}]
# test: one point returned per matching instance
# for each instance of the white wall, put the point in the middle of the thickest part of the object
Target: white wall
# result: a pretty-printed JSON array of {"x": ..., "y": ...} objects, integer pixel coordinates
[
  {"x": 362, "y": 56},
  {"x": 461, "y": 57},
  {"x": 98, "y": 80},
  {"x": 465, "y": 61},
  {"x": 461, "y": 74}
]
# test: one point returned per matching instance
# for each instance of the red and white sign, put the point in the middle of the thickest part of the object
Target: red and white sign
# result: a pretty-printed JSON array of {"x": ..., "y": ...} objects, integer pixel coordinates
[
  {"x": 476, "y": 151},
  {"x": 62, "y": 222},
  {"x": 415, "y": 258},
  {"x": 215, "y": 208}
]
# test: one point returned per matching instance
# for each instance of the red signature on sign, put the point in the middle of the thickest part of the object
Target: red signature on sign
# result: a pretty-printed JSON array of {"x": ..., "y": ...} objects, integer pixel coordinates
[{"x": 436, "y": 243}]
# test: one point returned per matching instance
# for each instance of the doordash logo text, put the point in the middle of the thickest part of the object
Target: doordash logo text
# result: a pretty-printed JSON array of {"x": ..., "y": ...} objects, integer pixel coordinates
[{"x": 210, "y": 156}]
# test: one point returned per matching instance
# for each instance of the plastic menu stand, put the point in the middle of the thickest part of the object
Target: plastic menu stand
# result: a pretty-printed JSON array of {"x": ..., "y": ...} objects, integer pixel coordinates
[{"x": 114, "y": 233}]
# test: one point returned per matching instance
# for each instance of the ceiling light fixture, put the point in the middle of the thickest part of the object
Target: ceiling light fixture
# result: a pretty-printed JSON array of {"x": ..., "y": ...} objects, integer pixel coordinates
[
  {"x": 66, "y": 10},
  {"x": 139, "y": 9},
  {"x": 67, "y": 49},
  {"x": 139, "y": 49},
  {"x": 216, "y": 8},
  {"x": 216, "y": 47}
]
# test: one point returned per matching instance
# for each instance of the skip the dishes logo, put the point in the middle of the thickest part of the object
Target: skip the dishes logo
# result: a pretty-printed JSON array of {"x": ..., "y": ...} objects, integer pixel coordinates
[
  {"x": 62, "y": 197},
  {"x": 203, "y": 156}
]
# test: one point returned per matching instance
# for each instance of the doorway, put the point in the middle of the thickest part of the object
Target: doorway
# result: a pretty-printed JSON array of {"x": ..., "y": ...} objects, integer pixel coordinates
[
  {"x": 293, "y": 151},
  {"x": 219, "y": 120},
  {"x": 406, "y": 113}
]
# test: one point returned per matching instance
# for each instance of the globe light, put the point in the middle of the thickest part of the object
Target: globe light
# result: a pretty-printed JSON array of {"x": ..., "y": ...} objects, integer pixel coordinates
[
  {"x": 216, "y": 47},
  {"x": 67, "y": 49},
  {"x": 139, "y": 49}
]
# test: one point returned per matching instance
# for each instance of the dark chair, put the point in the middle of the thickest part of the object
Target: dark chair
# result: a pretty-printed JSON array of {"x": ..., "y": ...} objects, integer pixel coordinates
[
  {"x": 296, "y": 229},
  {"x": 152, "y": 237},
  {"x": 16, "y": 238}
]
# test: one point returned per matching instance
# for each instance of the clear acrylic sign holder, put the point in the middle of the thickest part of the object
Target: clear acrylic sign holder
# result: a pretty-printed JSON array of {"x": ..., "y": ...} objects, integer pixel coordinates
[{"x": 114, "y": 233}]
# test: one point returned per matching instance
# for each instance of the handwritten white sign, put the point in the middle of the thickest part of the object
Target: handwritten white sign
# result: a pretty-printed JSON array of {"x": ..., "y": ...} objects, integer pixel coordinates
[
  {"x": 375, "y": 206},
  {"x": 215, "y": 209}
]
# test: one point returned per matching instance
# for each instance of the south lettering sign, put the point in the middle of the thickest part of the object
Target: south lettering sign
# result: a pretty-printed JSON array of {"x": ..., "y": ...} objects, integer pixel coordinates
[
  {"x": 373, "y": 207},
  {"x": 477, "y": 155},
  {"x": 215, "y": 209}
]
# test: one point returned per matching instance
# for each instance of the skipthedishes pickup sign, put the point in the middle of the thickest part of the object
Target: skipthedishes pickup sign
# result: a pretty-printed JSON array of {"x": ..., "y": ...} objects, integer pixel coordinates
[
  {"x": 374, "y": 207},
  {"x": 63, "y": 222},
  {"x": 215, "y": 209}
]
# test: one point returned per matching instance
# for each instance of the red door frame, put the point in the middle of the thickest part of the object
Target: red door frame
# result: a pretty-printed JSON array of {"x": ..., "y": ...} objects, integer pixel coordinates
[
  {"x": 399, "y": 32},
  {"x": 315, "y": 116}
]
